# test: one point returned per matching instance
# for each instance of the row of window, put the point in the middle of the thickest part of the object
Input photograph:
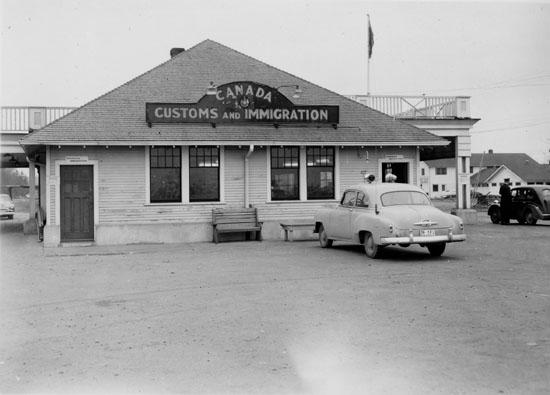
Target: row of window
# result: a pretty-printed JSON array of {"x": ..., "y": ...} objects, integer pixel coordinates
[
  {"x": 438, "y": 171},
  {"x": 204, "y": 174}
]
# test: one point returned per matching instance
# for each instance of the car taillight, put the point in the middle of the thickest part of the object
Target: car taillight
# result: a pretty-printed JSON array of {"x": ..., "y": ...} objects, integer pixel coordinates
[{"x": 391, "y": 228}]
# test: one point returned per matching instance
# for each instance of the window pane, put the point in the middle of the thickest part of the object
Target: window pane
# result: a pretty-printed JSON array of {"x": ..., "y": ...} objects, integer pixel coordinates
[
  {"x": 165, "y": 185},
  {"x": 320, "y": 183},
  {"x": 284, "y": 184},
  {"x": 320, "y": 173},
  {"x": 165, "y": 174},
  {"x": 203, "y": 184}
]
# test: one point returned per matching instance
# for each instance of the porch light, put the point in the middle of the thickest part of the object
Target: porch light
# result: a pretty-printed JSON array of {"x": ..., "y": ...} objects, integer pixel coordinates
[
  {"x": 297, "y": 90},
  {"x": 212, "y": 89}
]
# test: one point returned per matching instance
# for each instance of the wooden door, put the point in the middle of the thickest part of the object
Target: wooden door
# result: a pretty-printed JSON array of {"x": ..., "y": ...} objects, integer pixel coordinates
[{"x": 77, "y": 203}]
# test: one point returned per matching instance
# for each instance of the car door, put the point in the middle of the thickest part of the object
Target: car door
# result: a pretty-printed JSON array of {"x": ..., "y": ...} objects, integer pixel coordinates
[
  {"x": 340, "y": 219},
  {"x": 361, "y": 210},
  {"x": 518, "y": 203}
]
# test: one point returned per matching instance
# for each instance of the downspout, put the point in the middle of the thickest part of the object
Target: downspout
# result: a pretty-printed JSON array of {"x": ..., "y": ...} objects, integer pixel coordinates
[{"x": 246, "y": 176}]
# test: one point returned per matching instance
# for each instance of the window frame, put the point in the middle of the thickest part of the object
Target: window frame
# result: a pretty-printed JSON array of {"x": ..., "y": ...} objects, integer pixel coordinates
[
  {"x": 295, "y": 165},
  {"x": 152, "y": 166},
  {"x": 208, "y": 163},
  {"x": 320, "y": 153}
]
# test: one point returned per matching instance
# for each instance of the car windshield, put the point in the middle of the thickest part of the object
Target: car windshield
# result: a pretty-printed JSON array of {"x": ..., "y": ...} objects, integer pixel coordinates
[
  {"x": 4, "y": 198},
  {"x": 404, "y": 197}
]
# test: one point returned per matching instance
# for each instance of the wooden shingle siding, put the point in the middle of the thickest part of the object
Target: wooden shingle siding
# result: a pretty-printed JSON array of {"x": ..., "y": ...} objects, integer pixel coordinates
[
  {"x": 352, "y": 162},
  {"x": 122, "y": 185},
  {"x": 234, "y": 175},
  {"x": 259, "y": 177}
]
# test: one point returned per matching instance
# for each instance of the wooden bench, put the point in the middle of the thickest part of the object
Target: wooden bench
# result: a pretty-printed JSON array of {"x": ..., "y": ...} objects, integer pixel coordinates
[
  {"x": 289, "y": 227},
  {"x": 233, "y": 220}
]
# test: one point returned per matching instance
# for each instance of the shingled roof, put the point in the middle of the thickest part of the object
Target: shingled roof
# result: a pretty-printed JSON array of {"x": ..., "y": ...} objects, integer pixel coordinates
[{"x": 118, "y": 117}]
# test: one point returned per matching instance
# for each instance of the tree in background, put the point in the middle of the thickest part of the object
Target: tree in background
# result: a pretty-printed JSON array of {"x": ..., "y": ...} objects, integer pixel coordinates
[{"x": 14, "y": 177}]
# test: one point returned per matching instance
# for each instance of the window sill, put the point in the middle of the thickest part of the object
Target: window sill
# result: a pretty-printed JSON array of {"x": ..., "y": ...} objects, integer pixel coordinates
[
  {"x": 302, "y": 201},
  {"x": 184, "y": 204}
]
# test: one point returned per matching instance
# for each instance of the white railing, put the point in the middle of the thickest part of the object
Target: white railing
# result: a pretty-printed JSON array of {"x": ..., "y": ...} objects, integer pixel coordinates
[
  {"x": 23, "y": 119},
  {"x": 434, "y": 107}
]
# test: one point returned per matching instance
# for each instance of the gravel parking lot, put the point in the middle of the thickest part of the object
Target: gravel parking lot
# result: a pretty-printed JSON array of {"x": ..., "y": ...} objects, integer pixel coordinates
[{"x": 277, "y": 317}]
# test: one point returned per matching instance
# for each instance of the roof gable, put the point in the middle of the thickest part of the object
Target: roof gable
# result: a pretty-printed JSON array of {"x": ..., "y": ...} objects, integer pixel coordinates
[
  {"x": 524, "y": 166},
  {"x": 119, "y": 115}
]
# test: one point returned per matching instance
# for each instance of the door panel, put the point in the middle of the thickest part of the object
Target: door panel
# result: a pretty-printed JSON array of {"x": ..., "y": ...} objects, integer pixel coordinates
[
  {"x": 340, "y": 219},
  {"x": 77, "y": 203}
]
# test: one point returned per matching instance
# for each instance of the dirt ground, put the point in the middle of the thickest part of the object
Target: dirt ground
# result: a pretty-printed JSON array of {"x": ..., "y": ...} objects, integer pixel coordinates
[{"x": 277, "y": 317}]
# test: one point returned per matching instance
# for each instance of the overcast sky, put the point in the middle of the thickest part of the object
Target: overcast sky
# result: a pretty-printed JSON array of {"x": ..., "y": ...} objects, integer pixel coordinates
[{"x": 68, "y": 52}]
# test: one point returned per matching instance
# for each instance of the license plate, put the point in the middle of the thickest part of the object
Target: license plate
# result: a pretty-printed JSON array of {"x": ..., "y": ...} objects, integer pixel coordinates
[{"x": 427, "y": 232}]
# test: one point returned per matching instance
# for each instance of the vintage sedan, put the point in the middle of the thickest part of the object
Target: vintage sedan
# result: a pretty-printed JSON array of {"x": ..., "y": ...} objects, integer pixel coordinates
[
  {"x": 382, "y": 214},
  {"x": 529, "y": 204}
]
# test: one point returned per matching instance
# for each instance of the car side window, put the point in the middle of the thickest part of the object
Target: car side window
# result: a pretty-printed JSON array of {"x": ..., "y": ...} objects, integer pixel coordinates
[
  {"x": 533, "y": 197},
  {"x": 362, "y": 200},
  {"x": 348, "y": 199}
]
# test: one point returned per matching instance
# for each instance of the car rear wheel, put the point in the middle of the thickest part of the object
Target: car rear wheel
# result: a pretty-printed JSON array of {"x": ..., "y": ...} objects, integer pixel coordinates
[
  {"x": 436, "y": 249},
  {"x": 529, "y": 217},
  {"x": 372, "y": 249},
  {"x": 495, "y": 216},
  {"x": 323, "y": 238}
]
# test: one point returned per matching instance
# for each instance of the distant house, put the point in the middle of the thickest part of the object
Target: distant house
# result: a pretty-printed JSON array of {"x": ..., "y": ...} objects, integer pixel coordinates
[
  {"x": 438, "y": 177},
  {"x": 491, "y": 169},
  {"x": 488, "y": 171}
]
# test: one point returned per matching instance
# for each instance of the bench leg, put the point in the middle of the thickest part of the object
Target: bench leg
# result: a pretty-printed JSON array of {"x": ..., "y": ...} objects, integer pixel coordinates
[
  {"x": 215, "y": 236},
  {"x": 259, "y": 235},
  {"x": 290, "y": 233},
  {"x": 286, "y": 234}
]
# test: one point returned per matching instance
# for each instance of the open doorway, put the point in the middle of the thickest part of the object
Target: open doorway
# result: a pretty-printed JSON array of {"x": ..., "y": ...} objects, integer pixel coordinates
[{"x": 398, "y": 169}]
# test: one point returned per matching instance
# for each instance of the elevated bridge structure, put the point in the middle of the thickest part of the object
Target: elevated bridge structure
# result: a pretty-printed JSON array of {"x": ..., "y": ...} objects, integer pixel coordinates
[{"x": 445, "y": 116}]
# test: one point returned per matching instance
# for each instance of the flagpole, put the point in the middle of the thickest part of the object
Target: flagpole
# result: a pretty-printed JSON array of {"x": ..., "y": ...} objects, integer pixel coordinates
[{"x": 368, "y": 54}]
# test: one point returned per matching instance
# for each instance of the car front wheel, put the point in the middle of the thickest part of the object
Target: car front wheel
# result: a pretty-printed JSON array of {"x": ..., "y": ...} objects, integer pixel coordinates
[
  {"x": 529, "y": 217},
  {"x": 495, "y": 216},
  {"x": 323, "y": 238},
  {"x": 436, "y": 249},
  {"x": 372, "y": 249}
]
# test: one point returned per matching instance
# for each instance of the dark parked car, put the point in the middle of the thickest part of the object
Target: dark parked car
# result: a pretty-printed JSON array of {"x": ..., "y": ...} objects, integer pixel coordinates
[{"x": 529, "y": 204}]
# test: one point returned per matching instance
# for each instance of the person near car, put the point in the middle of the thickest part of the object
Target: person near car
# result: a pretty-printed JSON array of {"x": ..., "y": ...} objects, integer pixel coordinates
[
  {"x": 505, "y": 203},
  {"x": 390, "y": 177}
]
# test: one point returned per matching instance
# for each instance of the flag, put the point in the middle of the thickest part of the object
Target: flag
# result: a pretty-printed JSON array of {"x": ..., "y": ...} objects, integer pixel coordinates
[{"x": 371, "y": 40}]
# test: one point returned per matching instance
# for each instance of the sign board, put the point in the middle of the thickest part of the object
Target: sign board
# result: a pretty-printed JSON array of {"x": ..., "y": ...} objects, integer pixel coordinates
[
  {"x": 76, "y": 159},
  {"x": 464, "y": 178},
  {"x": 242, "y": 102}
]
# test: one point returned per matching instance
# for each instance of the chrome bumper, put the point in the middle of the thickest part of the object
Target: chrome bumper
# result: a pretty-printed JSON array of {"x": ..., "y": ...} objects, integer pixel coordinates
[{"x": 410, "y": 239}]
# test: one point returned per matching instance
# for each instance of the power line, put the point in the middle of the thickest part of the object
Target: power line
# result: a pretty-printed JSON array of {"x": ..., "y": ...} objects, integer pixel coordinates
[
  {"x": 528, "y": 80},
  {"x": 526, "y": 125}
]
